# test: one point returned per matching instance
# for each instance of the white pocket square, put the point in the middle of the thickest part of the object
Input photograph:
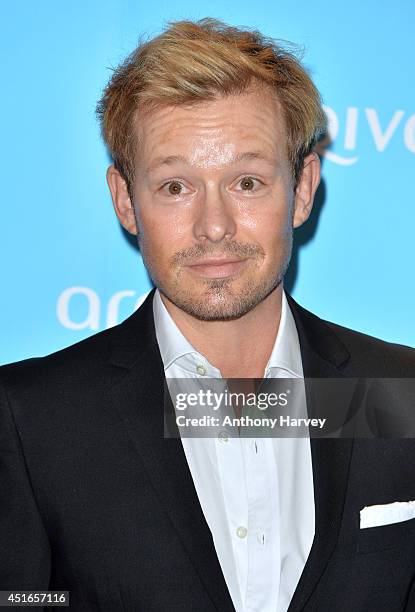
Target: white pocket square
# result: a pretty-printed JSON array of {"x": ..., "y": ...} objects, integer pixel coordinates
[{"x": 386, "y": 514}]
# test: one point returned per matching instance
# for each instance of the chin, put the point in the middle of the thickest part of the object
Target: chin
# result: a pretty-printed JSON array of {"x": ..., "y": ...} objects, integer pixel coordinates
[{"x": 218, "y": 302}]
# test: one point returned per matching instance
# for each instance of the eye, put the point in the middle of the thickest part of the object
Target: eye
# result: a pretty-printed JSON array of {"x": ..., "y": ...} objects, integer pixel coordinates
[
  {"x": 248, "y": 183},
  {"x": 174, "y": 188}
]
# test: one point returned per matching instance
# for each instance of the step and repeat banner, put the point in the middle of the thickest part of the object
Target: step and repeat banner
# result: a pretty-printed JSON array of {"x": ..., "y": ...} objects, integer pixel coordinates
[{"x": 68, "y": 268}]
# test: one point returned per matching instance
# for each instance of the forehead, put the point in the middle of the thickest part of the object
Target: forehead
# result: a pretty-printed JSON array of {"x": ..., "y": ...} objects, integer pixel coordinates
[{"x": 213, "y": 131}]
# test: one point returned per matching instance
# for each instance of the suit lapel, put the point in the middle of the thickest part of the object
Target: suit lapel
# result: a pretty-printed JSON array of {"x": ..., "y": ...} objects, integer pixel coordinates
[
  {"x": 138, "y": 394},
  {"x": 323, "y": 356}
]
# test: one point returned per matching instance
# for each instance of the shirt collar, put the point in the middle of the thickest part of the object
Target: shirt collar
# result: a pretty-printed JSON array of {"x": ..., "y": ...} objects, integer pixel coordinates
[
  {"x": 172, "y": 343},
  {"x": 286, "y": 353},
  {"x": 285, "y": 356}
]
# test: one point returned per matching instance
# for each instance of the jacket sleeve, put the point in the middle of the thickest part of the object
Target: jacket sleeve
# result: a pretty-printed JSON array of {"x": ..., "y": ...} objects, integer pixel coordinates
[{"x": 25, "y": 558}]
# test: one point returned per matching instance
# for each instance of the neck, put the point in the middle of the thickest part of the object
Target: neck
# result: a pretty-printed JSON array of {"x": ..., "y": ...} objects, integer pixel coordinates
[{"x": 239, "y": 348}]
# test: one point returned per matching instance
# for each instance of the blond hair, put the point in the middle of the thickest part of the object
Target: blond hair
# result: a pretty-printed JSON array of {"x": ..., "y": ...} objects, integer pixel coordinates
[{"x": 198, "y": 61}]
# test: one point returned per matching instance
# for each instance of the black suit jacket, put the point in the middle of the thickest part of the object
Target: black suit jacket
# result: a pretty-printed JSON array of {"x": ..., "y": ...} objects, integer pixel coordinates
[{"x": 95, "y": 501}]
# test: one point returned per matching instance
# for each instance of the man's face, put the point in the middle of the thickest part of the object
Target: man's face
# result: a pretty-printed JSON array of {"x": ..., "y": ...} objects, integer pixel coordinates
[{"x": 214, "y": 203}]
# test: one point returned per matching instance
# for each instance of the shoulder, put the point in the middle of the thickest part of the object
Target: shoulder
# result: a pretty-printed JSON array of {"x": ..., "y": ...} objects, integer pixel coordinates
[
  {"x": 370, "y": 354},
  {"x": 91, "y": 358},
  {"x": 74, "y": 363},
  {"x": 356, "y": 353}
]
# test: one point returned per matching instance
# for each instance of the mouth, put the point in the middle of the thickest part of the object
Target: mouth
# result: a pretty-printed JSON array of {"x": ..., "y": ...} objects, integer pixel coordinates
[{"x": 218, "y": 268}]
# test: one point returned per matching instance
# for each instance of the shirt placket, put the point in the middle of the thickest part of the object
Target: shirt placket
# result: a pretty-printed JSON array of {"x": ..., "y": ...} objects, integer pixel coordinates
[{"x": 263, "y": 536}]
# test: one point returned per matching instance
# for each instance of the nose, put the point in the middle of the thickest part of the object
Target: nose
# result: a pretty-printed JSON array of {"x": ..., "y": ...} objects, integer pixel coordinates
[{"x": 215, "y": 219}]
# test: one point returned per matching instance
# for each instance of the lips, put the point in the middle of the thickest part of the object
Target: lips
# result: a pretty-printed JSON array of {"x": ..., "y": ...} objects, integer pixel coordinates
[{"x": 217, "y": 268}]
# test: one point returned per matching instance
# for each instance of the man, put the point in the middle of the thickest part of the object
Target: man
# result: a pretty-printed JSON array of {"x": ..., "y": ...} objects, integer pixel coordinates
[{"x": 212, "y": 132}]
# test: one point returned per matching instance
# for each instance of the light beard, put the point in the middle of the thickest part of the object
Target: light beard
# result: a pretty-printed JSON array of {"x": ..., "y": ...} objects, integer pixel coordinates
[
  {"x": 226, "y": 306},
  {"x": 217, "y": 301}
]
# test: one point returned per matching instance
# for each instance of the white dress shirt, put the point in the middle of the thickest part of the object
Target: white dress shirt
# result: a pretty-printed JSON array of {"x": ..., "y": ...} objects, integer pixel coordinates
[{"x": 257, "y": 495}]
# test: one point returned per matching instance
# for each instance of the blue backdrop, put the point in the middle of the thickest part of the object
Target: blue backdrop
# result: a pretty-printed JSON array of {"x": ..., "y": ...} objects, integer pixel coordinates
[{"x": 68, "y": 269}]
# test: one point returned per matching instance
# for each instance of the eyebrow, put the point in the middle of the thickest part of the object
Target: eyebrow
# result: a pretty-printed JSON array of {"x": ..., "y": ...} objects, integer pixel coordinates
[{"x": 170, "y": 160}]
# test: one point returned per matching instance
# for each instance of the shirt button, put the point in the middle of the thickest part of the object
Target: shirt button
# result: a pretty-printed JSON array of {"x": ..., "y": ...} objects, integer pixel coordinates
[
  {"x": 242, "y": 532},
  {"x": 222, "y": 436},
  {"x": 201, "y": 370}
]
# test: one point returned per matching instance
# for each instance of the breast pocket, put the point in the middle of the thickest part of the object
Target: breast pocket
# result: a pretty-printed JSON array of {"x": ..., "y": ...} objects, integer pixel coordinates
[{"x": 385, "y": 537}]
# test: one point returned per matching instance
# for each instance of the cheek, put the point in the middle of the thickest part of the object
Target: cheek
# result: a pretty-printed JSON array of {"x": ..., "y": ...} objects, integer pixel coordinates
[
  {"x": 162, "y": 232},
  {"x": 268, "y": 225}
]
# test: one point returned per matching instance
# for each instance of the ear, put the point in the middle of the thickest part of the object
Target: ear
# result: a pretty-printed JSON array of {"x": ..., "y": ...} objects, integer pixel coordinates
[
  {"x": 121, "y": 200},
  {"x": 306, "y": 189}
]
